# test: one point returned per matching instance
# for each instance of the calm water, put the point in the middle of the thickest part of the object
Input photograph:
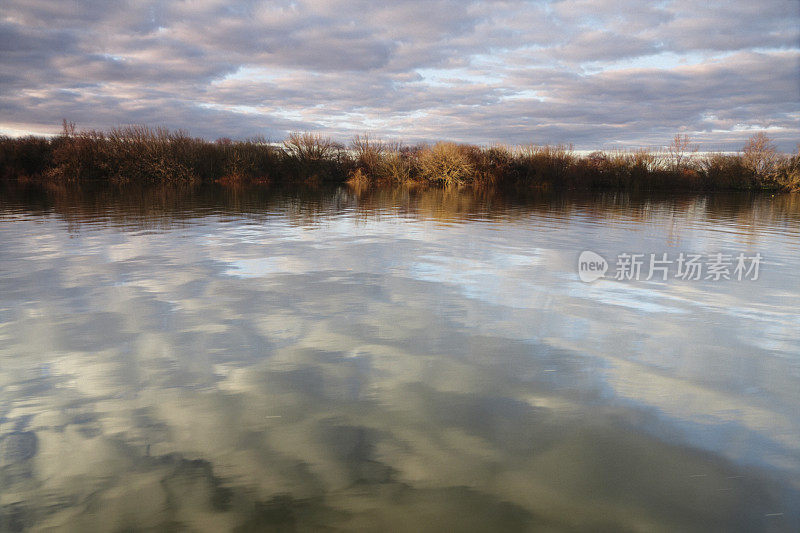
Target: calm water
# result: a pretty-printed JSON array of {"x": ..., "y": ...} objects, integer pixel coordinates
[{"x": 393, "y": 360}]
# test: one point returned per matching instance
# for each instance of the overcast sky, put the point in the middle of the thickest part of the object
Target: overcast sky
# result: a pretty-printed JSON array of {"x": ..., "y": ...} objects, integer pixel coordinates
[{"x": 597, "y": 73}]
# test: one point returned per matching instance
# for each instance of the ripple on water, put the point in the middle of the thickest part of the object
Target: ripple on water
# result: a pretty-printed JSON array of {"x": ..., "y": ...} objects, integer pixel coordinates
[{"x": 17, "y": 447}]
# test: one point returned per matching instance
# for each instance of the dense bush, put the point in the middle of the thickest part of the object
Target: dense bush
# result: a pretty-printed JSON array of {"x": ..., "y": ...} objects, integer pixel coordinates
[
  {"x": 25, "y": 156},
  {"x": 446, "y": 163},
  {"x": 787, "y": 174},
  {"x": 310, "y": 156},
  {"x": 139, "y": 153}
]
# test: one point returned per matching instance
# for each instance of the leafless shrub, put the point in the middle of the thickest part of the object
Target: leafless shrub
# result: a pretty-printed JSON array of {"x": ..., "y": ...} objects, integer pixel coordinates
[
  {"x": 760, "y": 155},
  {"x": 725, "y": 171},
  {"x": 309, "y": 146},
  {"x": 140, "y": 153},
  {"x": 787, "y": 172},
  {"x": 369, "y": 154},
  {"x": 549, "y": 162},
  {"x": 492, "y": 165},
  {"x": 397, "y": 163},
  {"x": 445, "y": 162}
]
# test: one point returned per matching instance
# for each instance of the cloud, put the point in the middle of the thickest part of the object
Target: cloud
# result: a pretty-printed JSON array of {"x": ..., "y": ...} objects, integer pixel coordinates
[{"x": 591, "y": 73}]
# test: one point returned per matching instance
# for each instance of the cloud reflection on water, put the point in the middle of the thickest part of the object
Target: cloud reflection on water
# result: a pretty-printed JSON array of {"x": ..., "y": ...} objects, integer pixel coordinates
[{"x": 379, "y": 369}]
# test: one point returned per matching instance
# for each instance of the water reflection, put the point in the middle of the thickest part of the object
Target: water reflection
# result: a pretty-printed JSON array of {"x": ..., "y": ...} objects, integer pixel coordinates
[{"x": 392, "y": 359}]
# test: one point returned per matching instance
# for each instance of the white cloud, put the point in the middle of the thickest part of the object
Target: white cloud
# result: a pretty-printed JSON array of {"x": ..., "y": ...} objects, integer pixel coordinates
[{"x": 343, "y": 67}]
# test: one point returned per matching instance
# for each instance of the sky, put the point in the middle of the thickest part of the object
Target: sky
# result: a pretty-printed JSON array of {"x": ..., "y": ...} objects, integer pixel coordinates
[{"x": 595, "y": 74}]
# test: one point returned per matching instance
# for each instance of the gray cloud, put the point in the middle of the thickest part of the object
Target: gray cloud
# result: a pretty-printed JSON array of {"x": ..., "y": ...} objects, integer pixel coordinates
[
  {"x": 601, "y": 44},
  {"x": 592, "y": 73}
]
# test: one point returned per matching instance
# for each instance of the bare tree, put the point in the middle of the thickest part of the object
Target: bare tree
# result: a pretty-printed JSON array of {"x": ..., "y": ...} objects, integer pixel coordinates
[
  {"x": 369, "y": 153},
  {"x": 680, "y": 151},
  {"x": 760, "y": 155},
  {"x": 309, "y": 146}
]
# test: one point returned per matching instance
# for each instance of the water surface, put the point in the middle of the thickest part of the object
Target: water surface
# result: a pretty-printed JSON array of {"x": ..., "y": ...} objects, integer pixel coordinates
[{"x": 214, "y": 359}]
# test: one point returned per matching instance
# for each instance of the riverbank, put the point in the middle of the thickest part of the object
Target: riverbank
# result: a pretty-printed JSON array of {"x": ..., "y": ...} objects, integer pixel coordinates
[{"x": 142, "y": 154}]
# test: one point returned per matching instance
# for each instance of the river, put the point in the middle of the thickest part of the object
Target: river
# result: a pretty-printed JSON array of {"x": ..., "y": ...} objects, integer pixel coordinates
[{"x": 396, "y": 359}]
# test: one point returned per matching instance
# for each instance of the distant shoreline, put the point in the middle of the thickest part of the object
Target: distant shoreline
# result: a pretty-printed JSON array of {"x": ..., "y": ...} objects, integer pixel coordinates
[{"x": 142, "y": 154}]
